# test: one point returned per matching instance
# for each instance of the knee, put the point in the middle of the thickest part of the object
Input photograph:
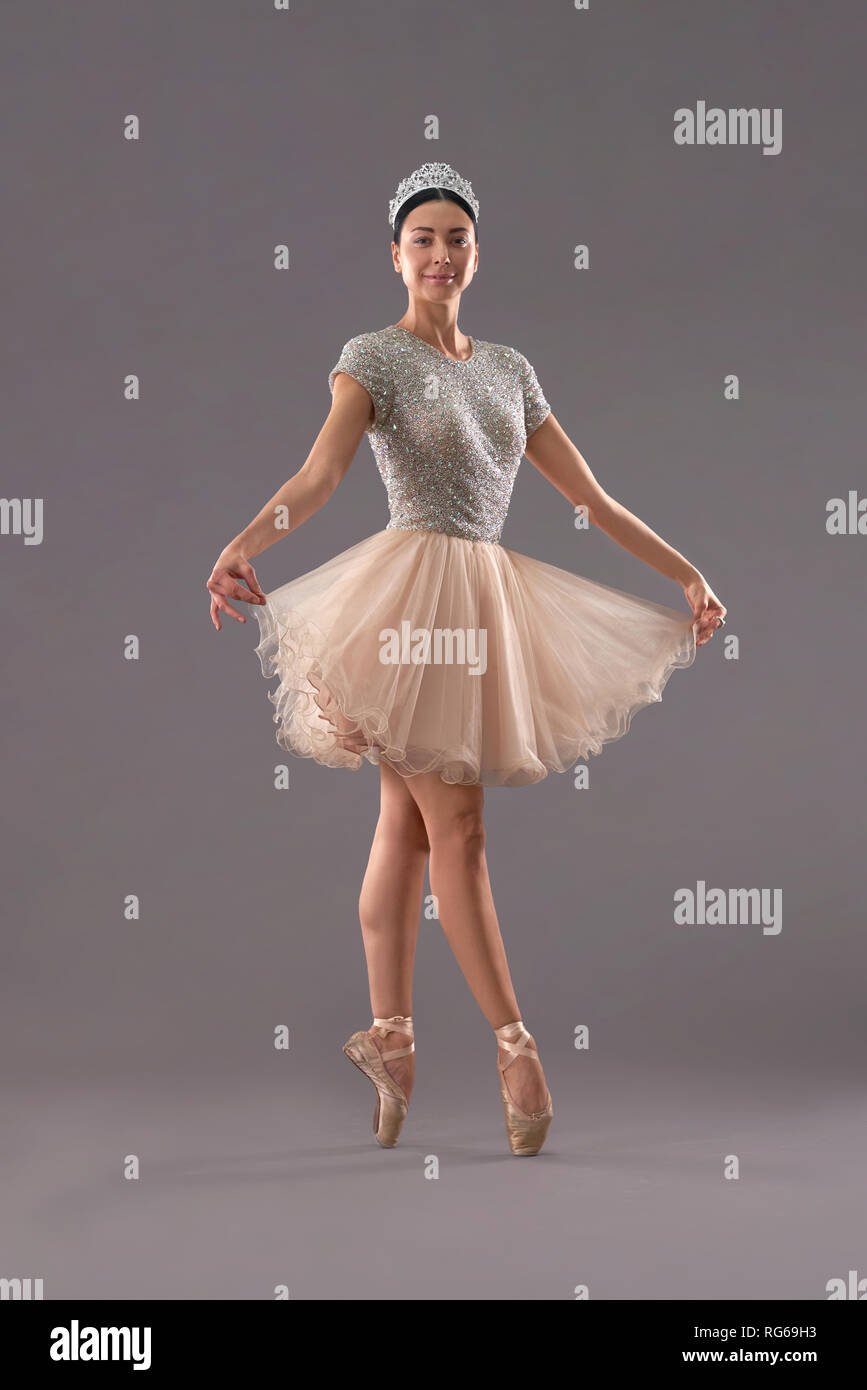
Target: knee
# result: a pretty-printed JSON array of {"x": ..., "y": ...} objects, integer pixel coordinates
[{"x": 463, "y": 831}]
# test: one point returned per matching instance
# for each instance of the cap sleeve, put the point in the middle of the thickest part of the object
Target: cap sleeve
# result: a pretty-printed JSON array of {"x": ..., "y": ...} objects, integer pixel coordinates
[
  {"x": 363, "y": 359},
  {"x": 536, "y": 408}
]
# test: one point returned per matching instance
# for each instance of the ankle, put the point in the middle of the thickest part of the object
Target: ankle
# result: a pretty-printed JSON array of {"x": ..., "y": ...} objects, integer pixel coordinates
[
  {"x": 510, "y": 1032},
  {"x": 389, "y": 1038},
  {"x": 399, "y": 1025}
]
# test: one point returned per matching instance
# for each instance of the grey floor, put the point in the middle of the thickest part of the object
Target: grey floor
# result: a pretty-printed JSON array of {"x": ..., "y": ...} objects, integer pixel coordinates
[{"x": 247, "y": 1184}]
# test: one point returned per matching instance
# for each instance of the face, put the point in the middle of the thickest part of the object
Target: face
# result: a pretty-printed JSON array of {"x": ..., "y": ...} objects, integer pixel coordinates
[{"x": 438, "y": 253}]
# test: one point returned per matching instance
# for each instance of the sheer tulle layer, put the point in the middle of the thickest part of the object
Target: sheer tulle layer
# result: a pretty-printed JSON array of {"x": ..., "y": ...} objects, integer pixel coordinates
[{"x": 568, "y": 661}]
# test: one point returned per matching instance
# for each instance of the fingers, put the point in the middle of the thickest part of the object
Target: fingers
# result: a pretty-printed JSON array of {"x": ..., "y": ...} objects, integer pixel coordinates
[
  {"x": 708, "y": 615},
  {"x": 224, "y": 606},
  {"x": 352, "y": 743},
  {"x": 709, "y": 625},
  {"x": 224, "y": 581},
  {"x": 226, "y": 588},
  {"x": 246, "y": 595},
  {"x": 250, "y": 575},
  {"x": 222, "y": 585}
]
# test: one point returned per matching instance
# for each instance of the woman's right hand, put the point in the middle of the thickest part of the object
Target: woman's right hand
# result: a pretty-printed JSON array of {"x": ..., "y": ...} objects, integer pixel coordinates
[{"x": 232, "y": 566}]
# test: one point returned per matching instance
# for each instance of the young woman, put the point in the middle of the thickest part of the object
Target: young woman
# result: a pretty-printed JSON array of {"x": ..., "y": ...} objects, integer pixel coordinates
[{"x": 430, "y": 650}]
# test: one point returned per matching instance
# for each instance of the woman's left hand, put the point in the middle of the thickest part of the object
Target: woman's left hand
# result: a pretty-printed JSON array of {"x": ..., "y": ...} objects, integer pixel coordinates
[{"x": 708, "y": 612}]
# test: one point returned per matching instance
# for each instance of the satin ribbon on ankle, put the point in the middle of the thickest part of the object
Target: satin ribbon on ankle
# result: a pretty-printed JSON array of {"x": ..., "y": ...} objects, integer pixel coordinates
[
  {"x": 508, "y": 1040},
  {"x": 396, "y": 1024},
  {"x": 393, "y": 1023}
]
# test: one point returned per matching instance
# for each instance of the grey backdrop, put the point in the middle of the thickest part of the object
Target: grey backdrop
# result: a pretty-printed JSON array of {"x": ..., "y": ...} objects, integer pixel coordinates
[{"x": 155, "y": 776}]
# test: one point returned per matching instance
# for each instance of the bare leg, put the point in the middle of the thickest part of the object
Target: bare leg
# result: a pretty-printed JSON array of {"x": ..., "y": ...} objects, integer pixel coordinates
[
  {"x": 454, "y": 820},
  {"x": 389, "y": 909}
]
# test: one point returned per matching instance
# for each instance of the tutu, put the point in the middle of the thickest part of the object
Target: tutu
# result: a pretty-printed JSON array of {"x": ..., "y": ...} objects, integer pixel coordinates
[
  {"x": 564, "y": 663},
  {"x": 428, "y": 645}
]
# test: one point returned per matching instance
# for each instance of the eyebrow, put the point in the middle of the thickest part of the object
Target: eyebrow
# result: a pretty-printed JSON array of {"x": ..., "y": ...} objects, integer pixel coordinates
[{"x": 430, "y": 229}]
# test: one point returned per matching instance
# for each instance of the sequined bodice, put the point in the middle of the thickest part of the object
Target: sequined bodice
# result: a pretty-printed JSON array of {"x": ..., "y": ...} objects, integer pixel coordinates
[{"x": 448, "y": 435}]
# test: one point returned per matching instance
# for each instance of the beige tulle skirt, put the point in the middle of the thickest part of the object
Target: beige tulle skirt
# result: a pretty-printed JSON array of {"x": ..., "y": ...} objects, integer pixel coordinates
[{"x": 433, "y": 653}]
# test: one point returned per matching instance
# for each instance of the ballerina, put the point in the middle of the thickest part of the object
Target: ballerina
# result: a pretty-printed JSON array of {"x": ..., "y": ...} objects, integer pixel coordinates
[{"x": 567, "y": 661}]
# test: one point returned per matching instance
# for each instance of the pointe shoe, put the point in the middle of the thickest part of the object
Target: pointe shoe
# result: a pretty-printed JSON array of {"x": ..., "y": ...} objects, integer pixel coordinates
[
  {"x": 391, "y": 1101},
  {"x": 526, "y": 1131}
]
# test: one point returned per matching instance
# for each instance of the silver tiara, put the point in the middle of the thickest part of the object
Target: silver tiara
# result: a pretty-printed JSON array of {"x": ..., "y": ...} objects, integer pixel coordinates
[{"x": 432, "y": 176}]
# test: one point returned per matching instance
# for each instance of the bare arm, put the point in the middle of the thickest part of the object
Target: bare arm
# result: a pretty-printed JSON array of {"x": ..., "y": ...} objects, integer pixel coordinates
[
  {"x": 324, "y": 468},
  {"x": 552, "y": 452},
  {"x": 296, "y": 501}
]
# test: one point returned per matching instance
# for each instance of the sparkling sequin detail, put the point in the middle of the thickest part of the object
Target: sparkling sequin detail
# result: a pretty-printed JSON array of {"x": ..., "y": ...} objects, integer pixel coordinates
[{"x": 448, "y": 436}]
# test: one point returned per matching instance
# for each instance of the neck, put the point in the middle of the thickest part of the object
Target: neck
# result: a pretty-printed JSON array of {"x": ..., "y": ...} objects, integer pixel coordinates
[{"x": 438, "y": 325}]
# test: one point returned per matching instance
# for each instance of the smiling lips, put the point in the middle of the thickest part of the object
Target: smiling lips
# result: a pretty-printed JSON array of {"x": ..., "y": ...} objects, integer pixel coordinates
[{"x": 439, "y": 277}]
